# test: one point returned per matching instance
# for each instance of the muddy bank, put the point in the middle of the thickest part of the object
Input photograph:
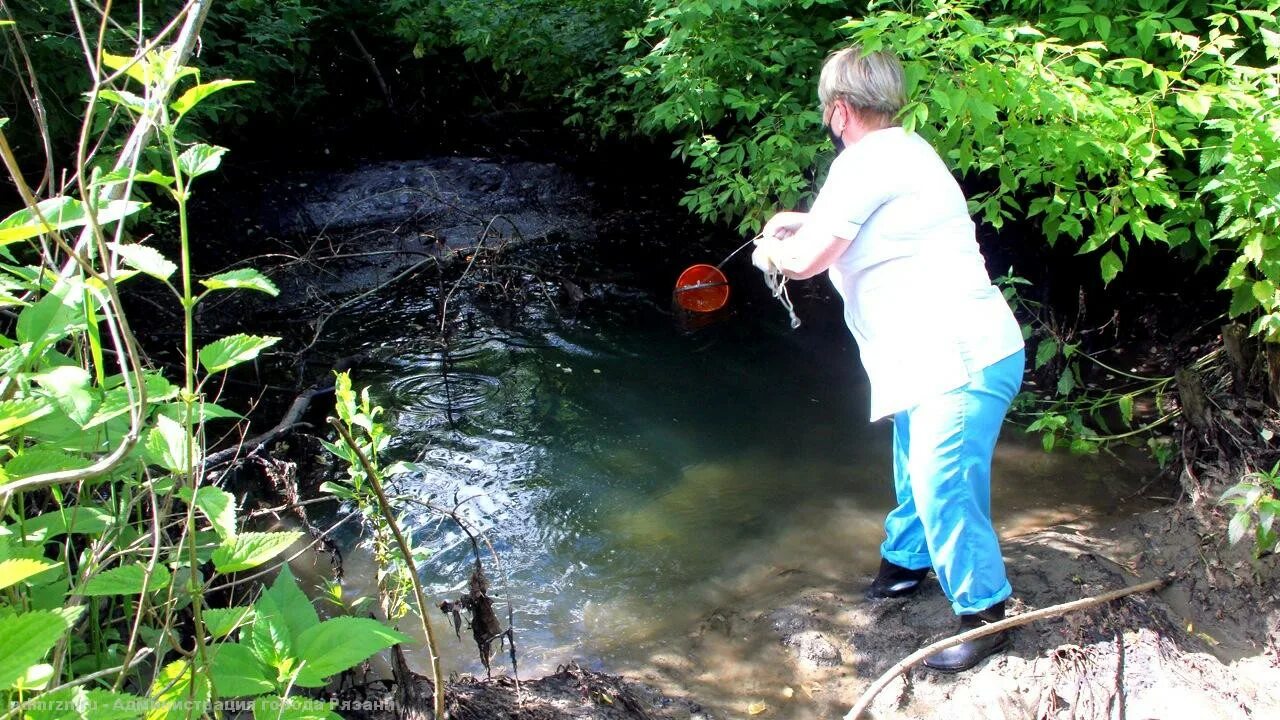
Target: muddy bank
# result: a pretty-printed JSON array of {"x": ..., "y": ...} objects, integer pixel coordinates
[
  {"x": 571, "y": 693},
  {"x": 805, "y": 645}
]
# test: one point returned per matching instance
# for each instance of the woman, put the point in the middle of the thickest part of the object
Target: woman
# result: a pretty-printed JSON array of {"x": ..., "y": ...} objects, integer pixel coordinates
[{"x": 943, "y": 351}]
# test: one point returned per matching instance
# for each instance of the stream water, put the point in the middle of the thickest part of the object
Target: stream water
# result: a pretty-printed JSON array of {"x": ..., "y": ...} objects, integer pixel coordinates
[{"x": 632, "y": 474}]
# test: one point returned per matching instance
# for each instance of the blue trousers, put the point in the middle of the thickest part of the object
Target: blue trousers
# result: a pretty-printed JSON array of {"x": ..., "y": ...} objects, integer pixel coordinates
[{"x": 942, "y": 475}]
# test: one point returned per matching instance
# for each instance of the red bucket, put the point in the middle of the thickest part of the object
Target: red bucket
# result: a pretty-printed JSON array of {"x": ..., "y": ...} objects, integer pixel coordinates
[{"x": 702, "y": 288}]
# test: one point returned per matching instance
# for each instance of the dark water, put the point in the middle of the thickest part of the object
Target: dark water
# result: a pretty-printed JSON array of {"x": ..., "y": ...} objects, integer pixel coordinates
[{"x": 629, "y": 472}]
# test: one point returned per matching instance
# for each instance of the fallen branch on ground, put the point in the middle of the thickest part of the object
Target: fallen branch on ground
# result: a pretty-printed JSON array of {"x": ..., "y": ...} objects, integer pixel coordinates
[
  {"x": 291, "y": 419},
  {"x": 1053, "y": 611}
]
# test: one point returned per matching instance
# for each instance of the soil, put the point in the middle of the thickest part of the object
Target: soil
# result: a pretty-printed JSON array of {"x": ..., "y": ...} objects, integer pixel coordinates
[
  {"x": 1178, "y": 653},
  {"x": 572, "y": 693}
]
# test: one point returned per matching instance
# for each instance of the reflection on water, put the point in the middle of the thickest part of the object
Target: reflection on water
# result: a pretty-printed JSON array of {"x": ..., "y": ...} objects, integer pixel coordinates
[{"x": 632, "y": 477}]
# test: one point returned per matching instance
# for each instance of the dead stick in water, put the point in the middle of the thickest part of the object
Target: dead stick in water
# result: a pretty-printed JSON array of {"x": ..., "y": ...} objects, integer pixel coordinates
[{"x": 1052, "y": 611}]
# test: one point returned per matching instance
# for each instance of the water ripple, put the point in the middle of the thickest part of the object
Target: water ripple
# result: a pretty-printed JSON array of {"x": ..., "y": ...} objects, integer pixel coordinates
[{"x": 429, "y": 393}]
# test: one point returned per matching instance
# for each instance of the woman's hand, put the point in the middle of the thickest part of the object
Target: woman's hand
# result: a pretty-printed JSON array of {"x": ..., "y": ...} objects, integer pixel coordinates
[
  {"x": 784, "y": 224},
  {"x": 796, "y": 248}
]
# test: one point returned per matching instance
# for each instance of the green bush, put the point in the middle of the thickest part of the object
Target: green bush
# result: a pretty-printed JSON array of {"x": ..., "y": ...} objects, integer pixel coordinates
[
  {"x": 537, "y": 46},
  {"x": 733, "y": 83},
  {"x": 1109, "y": 124},
  {"x": 114, "y": 541}
]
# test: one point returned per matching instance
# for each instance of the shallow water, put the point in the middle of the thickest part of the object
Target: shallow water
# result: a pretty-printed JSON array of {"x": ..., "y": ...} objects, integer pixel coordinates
[{"x": 632, "y": 475}]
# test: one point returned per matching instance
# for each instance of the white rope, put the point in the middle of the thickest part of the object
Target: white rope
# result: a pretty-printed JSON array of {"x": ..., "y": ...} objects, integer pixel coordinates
[{"x": 777, "y": 283}]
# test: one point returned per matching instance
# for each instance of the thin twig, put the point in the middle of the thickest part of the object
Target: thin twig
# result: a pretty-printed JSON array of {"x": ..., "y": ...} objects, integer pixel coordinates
[
  {"x": 475, "y": 254},
  {"x": 373, "y": 67},
  {"x": 1053, "y": 611},
  {"x": 325, "y": 319}
]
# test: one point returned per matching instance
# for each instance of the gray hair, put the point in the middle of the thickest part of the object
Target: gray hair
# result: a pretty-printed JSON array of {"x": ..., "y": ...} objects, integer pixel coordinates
[{"x": 871, "y": 83}]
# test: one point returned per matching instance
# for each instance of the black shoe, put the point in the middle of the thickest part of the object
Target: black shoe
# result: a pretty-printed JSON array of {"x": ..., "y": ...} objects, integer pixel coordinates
[
  {"x": 967, "y": 654},
  {"x": 895, "y": 581}
]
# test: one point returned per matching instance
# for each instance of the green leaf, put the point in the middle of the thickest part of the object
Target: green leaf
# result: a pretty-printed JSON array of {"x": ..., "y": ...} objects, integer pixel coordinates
[
  {"x": 28, "y": 637},
  {"x": 175, "y": 690},
  {"x": 1111, "y": 266},
  {"x": 1126, "y": 409},
  {"x": 295, "y": 607},
  {"x": 76, "y": 520},
  {"x": 1067, "y": 382},
  {"x": 115, "y": 402},
  {"x": 124, "y": 98},
  {"x": 61, "y": 213},
  {"x": 16, "y": 570},
  {"x": 345, "y": 396},
  {"x": 145, "y": 259},
  {"x": 1270, "y": 37},
  {"x": 35, "y": 678},
  {"x": 1146, "y": 31},
  {"x": 150, "y": 68},
  {"x": 247, "y": 278},
  {"x": 154, "y": 177},
  {"x": 16, "y": 413},
  {"x": 167, "y": 445},
  {"x": 220, "y": 622},
  {"x": 1046, "y": 351},
  {"x": 218, "y": 505},
  {"x": 136, "y": 68},
  {"x": 192, "y": 97},
  {"x": 200, "y": 159},
  {"x": 1103, "y": 23},
  {"x": 51, "y": 318},
  {"x": 1238, "y": 527},
  {"x": 1195, "y": 103},
  {"x": 249, "y": 550},
  {"x": 274, "y": 707},
  {"x": 269, "y": 637},
  {"x": 341, "y": 644},
  {"x": 338, "y": 489},
  {"x": 231, "y": 351},
  {"x": 237, "y": 672},
  {"x": 1048, "y": 440},
  {"x": 126, "y": 580},
  {"x": 202, "y": 412},
  {"x": 69, "y": 386},
  {"x": 1242, "y": 300}
]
